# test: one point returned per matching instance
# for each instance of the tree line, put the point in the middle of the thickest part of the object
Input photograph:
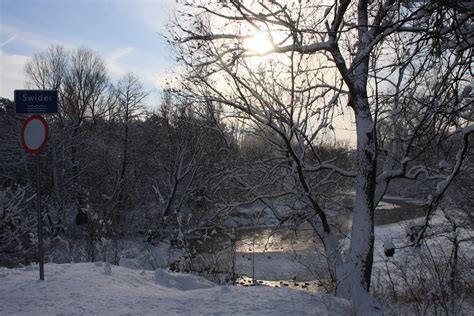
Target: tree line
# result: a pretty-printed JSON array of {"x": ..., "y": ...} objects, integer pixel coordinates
[{"x": 116, "y": 168}]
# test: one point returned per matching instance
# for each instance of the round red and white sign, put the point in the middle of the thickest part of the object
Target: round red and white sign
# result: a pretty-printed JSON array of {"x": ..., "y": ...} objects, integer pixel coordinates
[{"x": 34, "y": 134}]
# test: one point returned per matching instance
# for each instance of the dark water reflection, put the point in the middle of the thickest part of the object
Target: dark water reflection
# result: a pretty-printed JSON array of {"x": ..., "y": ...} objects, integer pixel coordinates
[
  {"x": 283, "y": 256},
  {"x": 302, "y": 237}
]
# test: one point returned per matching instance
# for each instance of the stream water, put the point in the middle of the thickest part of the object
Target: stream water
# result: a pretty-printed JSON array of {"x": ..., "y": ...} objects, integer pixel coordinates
[{"x": 287, "y": 256}]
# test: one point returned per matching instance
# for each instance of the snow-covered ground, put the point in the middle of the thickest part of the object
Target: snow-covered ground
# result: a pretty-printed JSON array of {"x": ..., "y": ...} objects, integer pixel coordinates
[
  {"x": 273, "y": 258},
  {"x": 101, "y": 289},
  {"x": 416, "y": 280},
  {"x": 396, "y": 233}
]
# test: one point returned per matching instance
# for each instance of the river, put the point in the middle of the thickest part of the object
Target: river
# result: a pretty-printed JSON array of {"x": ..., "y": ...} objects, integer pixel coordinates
[{"x": 288, "y": 256}]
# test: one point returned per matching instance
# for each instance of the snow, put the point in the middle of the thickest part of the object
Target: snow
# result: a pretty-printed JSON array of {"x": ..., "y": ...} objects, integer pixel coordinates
[
  {"x": 404, "y": 199},
  {"x": 138, "y": 254},
  {"x": 443, "y": 164},
  {"x": 466, "y": 130},
  {"x": 387, "y": 206},
  {"x": 181, "y": 281},
  {"x": 415, "y": 269},
  {"x": 388, "y": 245},
  {"x": 101, "y": 288},
  {"x": 86, "y": 288},
  {"x": 395, "y": 235}
]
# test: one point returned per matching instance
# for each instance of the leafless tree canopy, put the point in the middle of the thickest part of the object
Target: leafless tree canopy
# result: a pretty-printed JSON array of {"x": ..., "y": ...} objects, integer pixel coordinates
[{"x": 403, "y": 71}]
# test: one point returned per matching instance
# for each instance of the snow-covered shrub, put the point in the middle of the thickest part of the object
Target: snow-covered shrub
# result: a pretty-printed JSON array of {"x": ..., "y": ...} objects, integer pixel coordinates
[
  {"x": 436, "y": 278},
  {"x": 58, "y": 250},
  {"x": 18, "y": 235}
]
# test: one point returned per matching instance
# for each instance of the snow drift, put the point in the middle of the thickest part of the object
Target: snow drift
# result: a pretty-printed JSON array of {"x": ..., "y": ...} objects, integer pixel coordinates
[{"x": 97, "y": 288}]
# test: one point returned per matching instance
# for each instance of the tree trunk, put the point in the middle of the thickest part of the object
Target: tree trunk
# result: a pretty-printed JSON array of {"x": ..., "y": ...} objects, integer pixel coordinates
[
  {"x": 337, "y": 269},
  {"x": 362, "y": 236}
]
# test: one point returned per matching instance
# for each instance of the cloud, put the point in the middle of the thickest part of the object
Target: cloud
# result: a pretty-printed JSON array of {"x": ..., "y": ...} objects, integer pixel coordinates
[
  {"x": 8, "y": 41},
  {"x": 114, "y": 65},
  {"x": 31, "y": 41},
  {"x": 154, "y": 15},
  {"x": 12, "y": 75}
]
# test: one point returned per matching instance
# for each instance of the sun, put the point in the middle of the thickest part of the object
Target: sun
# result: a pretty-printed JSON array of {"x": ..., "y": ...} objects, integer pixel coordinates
[{"x": 260, "y": 43}]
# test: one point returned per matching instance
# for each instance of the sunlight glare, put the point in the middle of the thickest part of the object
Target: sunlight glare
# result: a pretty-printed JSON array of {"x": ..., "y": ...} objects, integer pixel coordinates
[{"x": 259, "y": 43}]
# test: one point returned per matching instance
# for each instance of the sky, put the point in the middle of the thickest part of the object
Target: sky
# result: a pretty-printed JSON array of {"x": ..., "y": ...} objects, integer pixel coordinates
[{"x": 127, "y": 34}]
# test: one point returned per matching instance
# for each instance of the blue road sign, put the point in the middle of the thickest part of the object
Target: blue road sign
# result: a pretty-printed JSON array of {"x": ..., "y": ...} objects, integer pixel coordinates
[{"x": 36, "y": 101}]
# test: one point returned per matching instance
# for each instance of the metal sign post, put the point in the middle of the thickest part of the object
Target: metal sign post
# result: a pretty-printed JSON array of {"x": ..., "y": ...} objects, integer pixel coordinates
[
  {"x": 40, "y": 220},
  {"x": 34, "y": 136}
]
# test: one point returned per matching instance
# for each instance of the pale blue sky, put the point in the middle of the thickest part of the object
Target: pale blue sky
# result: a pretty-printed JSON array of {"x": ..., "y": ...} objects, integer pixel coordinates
[{"x": 126, "y": 33}]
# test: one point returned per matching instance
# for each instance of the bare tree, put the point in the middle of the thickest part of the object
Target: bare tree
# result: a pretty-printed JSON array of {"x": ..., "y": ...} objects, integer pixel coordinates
[
  {"x": 79, "y": 76},
  {"x": 131, "y": 97},
  {"x": 188, "y": 160},
  {"x": 318, "y": 60},
  {"x": 117, "y": 171},
  {"x": 130, "y": 106},
  {"x": 85, "y": 96}
]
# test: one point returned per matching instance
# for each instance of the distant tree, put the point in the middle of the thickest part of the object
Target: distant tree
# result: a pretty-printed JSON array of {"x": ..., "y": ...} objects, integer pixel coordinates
[
  {"x": 85, "y": 95},
  {"x": 130, "y": 106},
  {"x": 17, "y": 214},
  {"x": 12, "y": 156},
  {"x": 116, "y": 171},
  {"x": 131, "y": 97}
]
